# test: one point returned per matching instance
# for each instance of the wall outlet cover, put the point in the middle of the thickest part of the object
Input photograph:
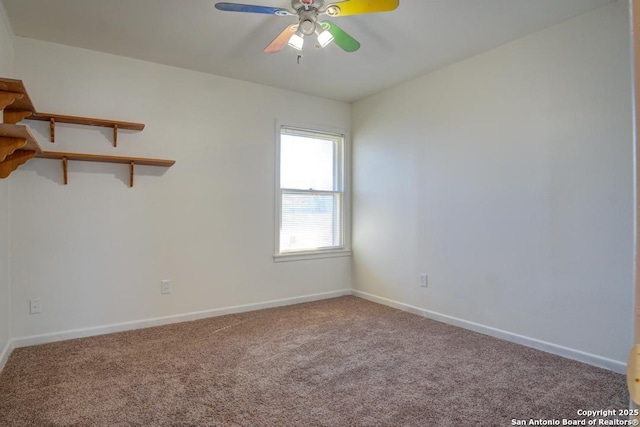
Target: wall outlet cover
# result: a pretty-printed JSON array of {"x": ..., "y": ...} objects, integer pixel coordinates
[
  {"x": 423, "y": 280},
  {"x": 35, "y": 306},
  {"x": 165, "y": 287}
]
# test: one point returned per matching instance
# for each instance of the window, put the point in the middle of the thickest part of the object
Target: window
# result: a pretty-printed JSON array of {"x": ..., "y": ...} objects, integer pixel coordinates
[{"x": 310, "y": 196}]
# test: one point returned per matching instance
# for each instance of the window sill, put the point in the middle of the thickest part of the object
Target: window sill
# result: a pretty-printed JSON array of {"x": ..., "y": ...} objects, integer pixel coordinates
[{"x": 302, "y": 256}]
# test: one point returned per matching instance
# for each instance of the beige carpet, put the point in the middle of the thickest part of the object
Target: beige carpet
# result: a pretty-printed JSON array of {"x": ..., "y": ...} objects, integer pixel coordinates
[{"x": 338, "y": 362}]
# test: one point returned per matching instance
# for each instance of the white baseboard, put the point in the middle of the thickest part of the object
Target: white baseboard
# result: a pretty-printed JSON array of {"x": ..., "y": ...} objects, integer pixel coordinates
[
  {"x": 569, "y": 353},
  {"x": 159, "y": 321},
  {"x": 4, "y": 355},
  {"x": 613, "y": 365}
]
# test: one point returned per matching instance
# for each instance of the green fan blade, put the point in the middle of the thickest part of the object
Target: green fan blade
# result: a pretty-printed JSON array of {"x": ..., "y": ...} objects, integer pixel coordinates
[{"x": 340, "y": 37}]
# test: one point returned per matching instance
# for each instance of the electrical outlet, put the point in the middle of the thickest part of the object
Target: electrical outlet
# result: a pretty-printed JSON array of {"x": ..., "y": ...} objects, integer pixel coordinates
[
  {"x": 165, "y": 287},
  {"x": 35, "y": 306},
  {"x": 423, "y": 280}
]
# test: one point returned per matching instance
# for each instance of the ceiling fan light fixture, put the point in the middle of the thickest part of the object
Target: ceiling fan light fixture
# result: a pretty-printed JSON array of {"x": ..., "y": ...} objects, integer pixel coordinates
[
  {"x": 324, "y": 38},
  {"x": 307, "y": 26},
  {"x": 296, "y": 41}
]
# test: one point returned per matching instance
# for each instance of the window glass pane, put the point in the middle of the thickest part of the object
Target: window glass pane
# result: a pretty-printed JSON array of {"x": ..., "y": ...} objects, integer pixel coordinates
[
  {"x": 307, "y": 163},
  {"x": 310, "y": 221}
]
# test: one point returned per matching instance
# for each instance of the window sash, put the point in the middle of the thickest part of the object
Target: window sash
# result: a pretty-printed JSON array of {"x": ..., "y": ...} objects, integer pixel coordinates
[
  {"x": 338, "y": 193},
  {"x": 328, "y": 225},
  {"x": 336, "y": 166}
]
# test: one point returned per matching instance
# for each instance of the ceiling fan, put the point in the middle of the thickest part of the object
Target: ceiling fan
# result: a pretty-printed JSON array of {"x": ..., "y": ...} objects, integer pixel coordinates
[{"x": 308, "y": 12}]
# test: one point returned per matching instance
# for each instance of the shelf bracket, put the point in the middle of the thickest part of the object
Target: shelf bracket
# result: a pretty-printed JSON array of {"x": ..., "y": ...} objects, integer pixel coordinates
[
  {"x": 13, "y": 160},
  {"x": 64, "y": 170},
  {"x": 131, "y": 174},
  {"x": 8, "y": 98},
  {"x": 14, "y": 116},
  {"x": 9, "y": 144},
  {"x": 115, "y": 135},
  {"x": 52, "y": 128}
]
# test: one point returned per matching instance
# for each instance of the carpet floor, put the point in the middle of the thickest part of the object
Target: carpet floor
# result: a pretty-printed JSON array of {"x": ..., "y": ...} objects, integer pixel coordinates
[{"x": 337, "y": 362}]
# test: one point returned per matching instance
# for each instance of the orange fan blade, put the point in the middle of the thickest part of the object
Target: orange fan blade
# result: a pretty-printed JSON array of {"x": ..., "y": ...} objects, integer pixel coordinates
[{"x": 281, "y": 41}]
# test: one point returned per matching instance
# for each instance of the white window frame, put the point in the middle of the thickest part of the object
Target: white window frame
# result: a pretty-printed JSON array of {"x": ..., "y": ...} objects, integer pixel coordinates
[{"x": 344, "y": 160}]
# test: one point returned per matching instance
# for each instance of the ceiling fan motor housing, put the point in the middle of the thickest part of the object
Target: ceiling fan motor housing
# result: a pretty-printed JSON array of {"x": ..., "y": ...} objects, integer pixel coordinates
[
  {"x": 307, "y": 11},
  {"x": 307, "y": 24}
]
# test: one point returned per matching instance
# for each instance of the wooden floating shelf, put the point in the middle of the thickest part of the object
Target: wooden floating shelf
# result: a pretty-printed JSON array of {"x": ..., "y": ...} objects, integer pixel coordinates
[
  {"x": 131, "y": 161},
  {"x": 86, "y": 121}
]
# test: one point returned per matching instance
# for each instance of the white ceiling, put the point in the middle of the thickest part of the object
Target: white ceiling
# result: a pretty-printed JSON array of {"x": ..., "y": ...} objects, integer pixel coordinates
[{"x": 418, "y": 37}]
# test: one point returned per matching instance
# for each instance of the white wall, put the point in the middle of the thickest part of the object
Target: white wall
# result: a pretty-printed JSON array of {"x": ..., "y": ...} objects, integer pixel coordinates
[
  {"x": 508, "y": 178},
  {"x": 96, "y": 250},
  {"x": 6, "y": 59}
]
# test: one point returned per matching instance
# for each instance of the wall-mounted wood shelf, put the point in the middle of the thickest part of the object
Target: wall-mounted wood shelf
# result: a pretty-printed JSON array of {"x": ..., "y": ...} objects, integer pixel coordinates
[
  {"x": 21, "y": 132},
  {"x": 18, "y": 145},
  {"x": 131, "y": 161},
  {"x": 105, "y": 159},
  {"x": 86, "y": 121},
  {"x": 15, "y": 101}
]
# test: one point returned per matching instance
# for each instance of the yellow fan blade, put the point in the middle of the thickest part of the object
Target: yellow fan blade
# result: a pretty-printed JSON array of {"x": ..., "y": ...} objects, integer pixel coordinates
[
  {"x": 281, "y": 41},
  {"x": 355, "y": 7}
]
